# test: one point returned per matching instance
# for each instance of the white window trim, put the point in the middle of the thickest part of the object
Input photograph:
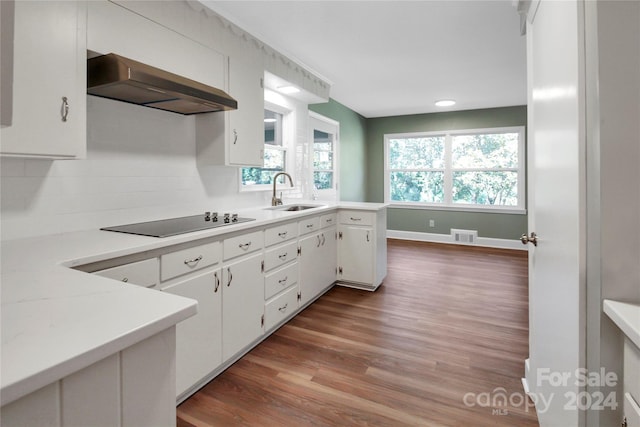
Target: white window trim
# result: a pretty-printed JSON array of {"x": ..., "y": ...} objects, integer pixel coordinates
[
  {"x": 288, "y": 133},
  {"x": 331, "y": 126},
  {"x": 448, "y": 184}
]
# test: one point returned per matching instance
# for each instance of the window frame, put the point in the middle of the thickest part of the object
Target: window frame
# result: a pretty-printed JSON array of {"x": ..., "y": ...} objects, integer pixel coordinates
[
  {"x": 288, "y": 129},
  {"x": 448, "y": 170},
  {"x": 325, "y": 124}
]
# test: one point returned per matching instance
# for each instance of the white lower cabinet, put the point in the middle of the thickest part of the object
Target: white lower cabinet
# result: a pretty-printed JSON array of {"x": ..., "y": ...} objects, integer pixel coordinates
[
  {"x": 280, "y": 307},
  {"x": 199, "y": 338},
  {"x": 242, "y": 304},
  {"x": 362, "y": 248},
  {"x": 134, "y": 387},
  {"x": 317, "y": 263}
]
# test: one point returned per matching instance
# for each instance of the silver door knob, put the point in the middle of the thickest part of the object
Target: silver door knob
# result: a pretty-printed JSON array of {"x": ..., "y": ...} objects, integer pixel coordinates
[{"x": 529, "y": 239}]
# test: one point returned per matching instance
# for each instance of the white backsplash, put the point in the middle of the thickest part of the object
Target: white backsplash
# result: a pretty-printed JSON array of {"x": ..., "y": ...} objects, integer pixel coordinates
[{"x": 140, "y": 166}]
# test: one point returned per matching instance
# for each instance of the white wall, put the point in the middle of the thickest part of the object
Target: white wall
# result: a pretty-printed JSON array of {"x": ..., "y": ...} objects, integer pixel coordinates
[{"x": 140, "y": 165}]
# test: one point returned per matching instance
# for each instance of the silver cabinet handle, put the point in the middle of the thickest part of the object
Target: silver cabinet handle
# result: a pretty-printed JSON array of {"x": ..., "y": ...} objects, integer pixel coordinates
[
  {"x": 64, "y": 109},
  {"x": 244, "y": 246},
  {"x": 125, "y": 279},
  {"x": 283, "y": 234},
  {"x": 192, "y": 261},
  {"x": 309, "y": 225},
  {"x": 355, "y": 219},
  {"x": 230, "y": 276},
  {"x": 283, "y": 308},
  {"x": 281, "y": 281},
  {"x": 283, "y": 256},
  {"x": 318, "y": 245},
  {"x": 367, "y": 236},
  {"x": 215, "y": 289},
  {"x": 235, "y": 136},
  {"x": 323, "y": 239}
]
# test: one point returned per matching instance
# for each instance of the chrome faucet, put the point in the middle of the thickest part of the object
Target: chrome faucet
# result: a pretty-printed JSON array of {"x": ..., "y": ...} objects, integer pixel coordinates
[{"x": 275, "y": 201}]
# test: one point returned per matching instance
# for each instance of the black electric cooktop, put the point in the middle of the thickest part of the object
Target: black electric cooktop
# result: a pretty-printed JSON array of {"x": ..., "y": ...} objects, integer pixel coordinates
[{"x": 175, "y": 226}]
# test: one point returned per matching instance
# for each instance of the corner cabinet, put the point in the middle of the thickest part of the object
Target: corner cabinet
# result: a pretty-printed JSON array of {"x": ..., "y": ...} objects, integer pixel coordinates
[
  {"x": 362, "y": 248},
  {"x": 235, "y": 138},
  {"x": 48, "y": 117}
]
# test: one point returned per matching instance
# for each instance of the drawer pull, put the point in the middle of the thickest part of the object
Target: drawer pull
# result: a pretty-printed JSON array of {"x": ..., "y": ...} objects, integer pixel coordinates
[
  {"x": 281, "y": 281},
  {"x": 309, "y": 225},
  {"x": 329, "y": 220},
  {"x": 283, "y": 234},
  {"x": 125, "y": 279},
  {"x": 355, "y": 219},
  {"x": 192, "y": 261},
  {"x": 244, "y": 246},
  {"x": 283, "y": 308},
  {"x": 283, "y": 256}
]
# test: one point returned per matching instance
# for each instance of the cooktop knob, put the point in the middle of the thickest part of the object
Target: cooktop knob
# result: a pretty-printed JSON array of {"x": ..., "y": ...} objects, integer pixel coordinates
[
  {"x": 214, "y": 216},
  {"x": 227, "y": 218},
  {"x": 207, "y": 216},
  {"x": 234, "y": 217}
]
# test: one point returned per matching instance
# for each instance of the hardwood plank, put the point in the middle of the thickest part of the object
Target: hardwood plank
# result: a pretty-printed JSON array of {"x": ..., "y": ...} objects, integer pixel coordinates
[{"x": 448, "y": 322}]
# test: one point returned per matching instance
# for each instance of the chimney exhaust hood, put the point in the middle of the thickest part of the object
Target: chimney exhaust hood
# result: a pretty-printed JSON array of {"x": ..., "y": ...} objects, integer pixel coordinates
[{"x": 116, "y": 77}]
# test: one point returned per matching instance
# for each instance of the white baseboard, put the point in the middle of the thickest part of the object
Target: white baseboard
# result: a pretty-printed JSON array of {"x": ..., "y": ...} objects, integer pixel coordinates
[{"x": 446, "y": 238}]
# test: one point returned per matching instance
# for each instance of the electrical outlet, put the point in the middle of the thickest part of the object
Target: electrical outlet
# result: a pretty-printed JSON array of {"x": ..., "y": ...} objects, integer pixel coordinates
[{"x": 432, "y": 223}]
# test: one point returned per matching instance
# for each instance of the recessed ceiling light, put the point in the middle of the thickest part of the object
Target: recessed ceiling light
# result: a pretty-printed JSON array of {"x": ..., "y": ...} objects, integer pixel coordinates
[
  {"x": 445, "y": 103},
  {"x": 288, "y": 89}
]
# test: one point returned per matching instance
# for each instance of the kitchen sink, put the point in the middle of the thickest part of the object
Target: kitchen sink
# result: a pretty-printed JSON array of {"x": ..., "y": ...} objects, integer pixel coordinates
[{"x": 294, "y": 208}]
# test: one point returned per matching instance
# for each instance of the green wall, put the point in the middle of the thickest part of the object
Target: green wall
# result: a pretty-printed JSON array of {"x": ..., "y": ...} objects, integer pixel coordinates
[
  {"x": 353, "y": 149},
  {"x": 362, "y": 165},
  {"x": 500, "y": 226}
]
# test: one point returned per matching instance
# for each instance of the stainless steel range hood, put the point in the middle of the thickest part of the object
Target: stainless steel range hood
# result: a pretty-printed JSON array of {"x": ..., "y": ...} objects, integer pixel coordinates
[{"x": 116, "y": 77}]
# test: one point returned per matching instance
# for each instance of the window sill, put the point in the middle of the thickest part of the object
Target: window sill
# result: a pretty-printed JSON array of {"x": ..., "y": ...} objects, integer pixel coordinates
[{"x": 457, "y": 208}]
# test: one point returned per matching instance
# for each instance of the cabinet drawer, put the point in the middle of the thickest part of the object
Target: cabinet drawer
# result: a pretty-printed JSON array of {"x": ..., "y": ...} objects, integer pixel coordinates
[
  {"x": 328, "y": 220},
  {"x": 190, "y": 259},
  {"x": 308, "y": 225},
  {"x": 280, "y": 308},
  {"x": 631, "y": 369},
  {"x": 357, "y": 217},
  {"x": 280, "y": 234},
  {"x": 281, "y": 255},
  {"x": 142, "y": 273},
  {"x": 244, "y": 244},
  {"x": 280, "y": 279}
]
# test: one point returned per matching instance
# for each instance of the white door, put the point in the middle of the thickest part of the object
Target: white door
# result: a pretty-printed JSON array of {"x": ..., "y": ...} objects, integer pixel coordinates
[{"x": 556, "y": 208}]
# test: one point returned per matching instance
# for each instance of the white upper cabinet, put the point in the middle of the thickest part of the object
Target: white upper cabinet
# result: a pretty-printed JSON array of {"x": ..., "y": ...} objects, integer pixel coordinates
[
  {"x": 115, "y": 29},
  {"x": 236, "y": 138},
  {"x": 48, "y": 117}
]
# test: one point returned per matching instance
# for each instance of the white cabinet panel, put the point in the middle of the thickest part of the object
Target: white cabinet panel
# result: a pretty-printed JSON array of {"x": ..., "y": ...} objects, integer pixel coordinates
[
  {"x": 112, "y": 28},
  {"x": 49, "y": 66},
  {"x": 40, "y": 408},
  {"x": 244, "y": 244},
  {"x": 357, "y": 218},
  {"x": 308, "y": 225},
  {"x": 356, "y": 254},
  {"x": 190, "y": 259},
  {"x": 148, "y": 382},
  {"x": 317, "y": 264},
  {"x": 91, "y": 397},
  {"x": 199, "y": 338},
  {"x": 280, "y": 279},
  {"x": 242, "y": 304},
  {"x": 280, "y": 307},
  {"x": 142, "y": 273},
  {"x": 280, "y": 233},
  {"x": 280, "y": 255}
]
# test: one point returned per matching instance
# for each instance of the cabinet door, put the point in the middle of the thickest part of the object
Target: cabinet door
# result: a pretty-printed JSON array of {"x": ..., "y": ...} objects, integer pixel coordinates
[
  {"x": 328, "y": 257},
  {"x": 242, "y": 304},
  {"x": 310, "y": 268},
  {"x": 49, "y": 67},
  {"x": 356, "y": 250},
  {"x": 246, "y": 124},
  {"x": 198, "y": 338}
]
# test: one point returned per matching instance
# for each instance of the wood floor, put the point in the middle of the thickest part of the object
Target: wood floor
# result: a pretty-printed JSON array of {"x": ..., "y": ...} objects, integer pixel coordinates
[{"x": 448, "y": 326}]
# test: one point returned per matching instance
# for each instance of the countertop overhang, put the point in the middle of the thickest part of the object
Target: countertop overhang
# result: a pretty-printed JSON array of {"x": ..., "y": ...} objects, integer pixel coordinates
[
  {"x": 626, "y": 316},
  {"x": 57, "y": 320}
]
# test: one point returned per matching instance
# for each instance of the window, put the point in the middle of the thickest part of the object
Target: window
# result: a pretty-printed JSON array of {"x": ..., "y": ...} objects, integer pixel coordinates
[
  {"x": 324, "y": 134},
  {"x": 275, "y": 152},
  {"x": 478, "y": 169}
]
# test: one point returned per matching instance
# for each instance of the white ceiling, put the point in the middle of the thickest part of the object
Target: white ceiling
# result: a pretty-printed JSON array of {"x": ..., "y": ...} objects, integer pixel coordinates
[{"x": 387, "y": 58}]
